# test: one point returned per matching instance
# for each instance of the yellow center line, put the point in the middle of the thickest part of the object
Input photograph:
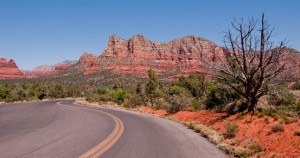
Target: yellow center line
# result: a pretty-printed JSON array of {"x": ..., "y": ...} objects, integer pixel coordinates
[{"x": 109, "y": 141}]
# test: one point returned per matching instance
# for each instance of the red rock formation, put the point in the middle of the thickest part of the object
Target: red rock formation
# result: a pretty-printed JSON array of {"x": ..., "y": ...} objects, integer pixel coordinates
[
  {"x": 93, "y": 67},
  {"x": 87, "y": 58},
  {"x": 9, "y": 69},
  {"x": 137, "y": 55}
]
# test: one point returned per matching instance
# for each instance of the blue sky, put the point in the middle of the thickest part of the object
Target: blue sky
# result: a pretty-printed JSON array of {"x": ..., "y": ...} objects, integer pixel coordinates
[{"x": 38, "y": 32}]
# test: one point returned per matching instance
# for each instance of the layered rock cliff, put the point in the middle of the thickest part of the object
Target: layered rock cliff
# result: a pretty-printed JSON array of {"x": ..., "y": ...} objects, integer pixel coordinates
[
  {"x": 138, "y": 54},
  {"x": 9, "y": 69}
]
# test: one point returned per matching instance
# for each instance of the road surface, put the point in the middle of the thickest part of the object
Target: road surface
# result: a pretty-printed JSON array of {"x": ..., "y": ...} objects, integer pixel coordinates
[{"x": 62, "y": 129}]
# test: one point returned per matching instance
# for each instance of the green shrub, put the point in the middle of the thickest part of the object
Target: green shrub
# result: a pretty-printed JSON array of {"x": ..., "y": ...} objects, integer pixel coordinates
[
  {"x": 4, "y": 93},
  {"x": 218, "y": 95},
  {"x": 197, "y": 105},
  {"x": 195, "y": 83},
  {"x": 57, "y": 91},
  {"x": 176, "y": 90},
  {"x": 18, "y": 94},
  {"x": 231, "y": 129},
  {"x": 41, "y": 92},
  {"x": 117, "y": 95},
  {"x": 260, "y": 112}
]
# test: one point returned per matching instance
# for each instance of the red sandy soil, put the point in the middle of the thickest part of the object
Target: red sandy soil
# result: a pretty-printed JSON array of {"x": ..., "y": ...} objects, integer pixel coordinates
[
  {"x": 284, "y": 144},
  {"x": 281, "y": 144},
  {"x": 158, "y": 113}
]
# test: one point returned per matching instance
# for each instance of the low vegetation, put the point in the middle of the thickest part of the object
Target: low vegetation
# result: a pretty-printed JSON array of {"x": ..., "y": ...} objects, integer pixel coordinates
[
  {"x": 276, "y": 128},
  {"x": 231, "y": 129},
  {"x": 297, "y": 133}
]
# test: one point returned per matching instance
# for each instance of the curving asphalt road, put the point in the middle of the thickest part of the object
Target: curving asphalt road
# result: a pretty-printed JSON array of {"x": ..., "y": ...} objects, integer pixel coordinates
[{"x": 64, "y": 130}]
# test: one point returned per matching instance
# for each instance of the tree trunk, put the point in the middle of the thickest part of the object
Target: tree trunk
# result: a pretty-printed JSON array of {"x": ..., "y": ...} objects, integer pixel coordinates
[{"x": 251, "y": 103}]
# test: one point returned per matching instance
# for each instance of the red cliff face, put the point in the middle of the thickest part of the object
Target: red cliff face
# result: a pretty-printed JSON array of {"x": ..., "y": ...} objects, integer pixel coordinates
[
  {"x": 137, "y": 55},
  {"x": 9, "y": 69}
]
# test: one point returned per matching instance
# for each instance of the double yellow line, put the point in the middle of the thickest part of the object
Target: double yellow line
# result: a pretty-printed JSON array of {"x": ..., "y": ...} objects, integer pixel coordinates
[{"x": 109, "y": 141}]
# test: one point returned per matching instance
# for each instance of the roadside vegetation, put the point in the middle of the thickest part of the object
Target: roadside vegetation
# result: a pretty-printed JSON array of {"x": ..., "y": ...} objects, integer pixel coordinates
[{"x": 21, "y": 92}]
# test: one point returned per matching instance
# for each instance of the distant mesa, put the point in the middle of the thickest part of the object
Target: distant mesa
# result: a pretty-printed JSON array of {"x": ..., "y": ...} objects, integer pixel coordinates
[
  {"x": 137, "y": 55},
  {"x": 48, "y": 70},
  {"x": 9, "y": 69}
]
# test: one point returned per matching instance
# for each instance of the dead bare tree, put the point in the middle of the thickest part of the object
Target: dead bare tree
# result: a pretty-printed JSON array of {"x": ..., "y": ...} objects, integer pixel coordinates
[{"x": 252, "y": 60}]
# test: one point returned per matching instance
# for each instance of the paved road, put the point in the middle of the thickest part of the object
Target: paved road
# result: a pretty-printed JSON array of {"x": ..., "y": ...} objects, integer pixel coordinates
[{"x": 63, "y": 129}]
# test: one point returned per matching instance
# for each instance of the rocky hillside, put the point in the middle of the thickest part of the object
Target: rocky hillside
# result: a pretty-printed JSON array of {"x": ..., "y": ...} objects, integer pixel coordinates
[
  {"x": 46, "y": 70},
  {"x": 9, "y": 69},
  {"x": 138, "y": 54}
]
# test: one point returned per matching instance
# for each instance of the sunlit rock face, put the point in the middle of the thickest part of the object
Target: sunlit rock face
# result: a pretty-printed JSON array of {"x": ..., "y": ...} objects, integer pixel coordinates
[
  {"x": 9, "y": 69},
  {"x": 138, "y": 54}
]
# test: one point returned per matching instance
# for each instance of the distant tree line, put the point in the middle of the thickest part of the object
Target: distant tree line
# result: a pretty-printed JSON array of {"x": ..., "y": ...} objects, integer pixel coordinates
[{"x": 22, "y": 92}]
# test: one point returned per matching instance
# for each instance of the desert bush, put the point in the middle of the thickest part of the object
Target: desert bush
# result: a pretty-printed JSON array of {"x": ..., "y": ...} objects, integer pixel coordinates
[
  {"x": 256, "y": 147},
  {"x": 297, "y": 107},
  {"x": 17, "y": 94},
  {"x": 177, "y": 103},
  {"x": 281, "y": 97},
  {"x": 197, "y": 105},
  {"x": 101, "y": 91},
  {"x": 57, "y": 91},
  {"x": 92, "y": 97},
  {"x": 71, "y": 91},
  {"x": 175, "y": 98},
  {"x": 41, "y": 92},
  {"x": 231, "y": 129},
  {"x": 4, "y": 93},
  {"x": 132, "y": 100},
  {"x": 248, "y": 120},
  {"x": 297, "y": 133},
  {"x": 277, "y": 128},
  {"x": 176, "y": 90}
]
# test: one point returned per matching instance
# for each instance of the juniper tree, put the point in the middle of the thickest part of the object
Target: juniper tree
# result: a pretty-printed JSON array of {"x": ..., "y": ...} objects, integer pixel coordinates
[{"x": 252, "y": 59}]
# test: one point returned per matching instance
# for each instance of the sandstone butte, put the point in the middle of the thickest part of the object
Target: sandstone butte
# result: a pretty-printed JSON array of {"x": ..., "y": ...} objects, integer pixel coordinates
[
  {"x": 173, "y": 59},
  {"x": 138, "y": 54},
  {"x": 9, "y": 69}
]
